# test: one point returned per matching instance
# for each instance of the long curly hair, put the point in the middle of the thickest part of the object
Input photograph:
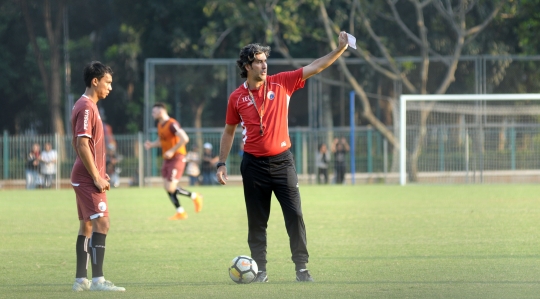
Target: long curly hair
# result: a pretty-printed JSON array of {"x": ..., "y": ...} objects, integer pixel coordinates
[{"x": 247, "y": 55}]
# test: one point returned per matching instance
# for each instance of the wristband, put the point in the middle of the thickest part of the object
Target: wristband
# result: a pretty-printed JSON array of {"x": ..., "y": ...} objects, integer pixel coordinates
[{"x": 220, "y": 164}]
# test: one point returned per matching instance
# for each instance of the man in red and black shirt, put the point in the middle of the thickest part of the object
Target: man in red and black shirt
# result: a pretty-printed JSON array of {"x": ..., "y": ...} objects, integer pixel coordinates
[
  {"x": 89, "y": 179},
  {"x": 261, "y": 105}
]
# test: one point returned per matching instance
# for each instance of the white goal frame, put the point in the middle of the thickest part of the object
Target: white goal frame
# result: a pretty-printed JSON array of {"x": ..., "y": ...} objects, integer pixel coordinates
[{"x": 403, "y": 99}]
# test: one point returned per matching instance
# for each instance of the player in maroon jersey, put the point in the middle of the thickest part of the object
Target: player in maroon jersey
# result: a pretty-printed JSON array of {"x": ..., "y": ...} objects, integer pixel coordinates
[
  {"x": 89, "y": 179},
  {"x": 261, "y": 106}
]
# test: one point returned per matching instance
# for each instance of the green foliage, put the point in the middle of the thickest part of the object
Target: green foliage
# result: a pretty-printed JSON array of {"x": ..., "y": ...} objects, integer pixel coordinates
[
  {"x": 123, "y": 33},
  {"x": 528, "y": 26}
]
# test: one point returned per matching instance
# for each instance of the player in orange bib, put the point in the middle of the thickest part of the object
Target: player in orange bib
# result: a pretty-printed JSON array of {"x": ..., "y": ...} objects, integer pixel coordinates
[{"x": 172, "y": 139}]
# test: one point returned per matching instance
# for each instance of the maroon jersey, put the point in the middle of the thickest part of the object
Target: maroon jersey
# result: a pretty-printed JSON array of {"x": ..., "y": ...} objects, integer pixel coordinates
[{"x": 85, "y": 121}]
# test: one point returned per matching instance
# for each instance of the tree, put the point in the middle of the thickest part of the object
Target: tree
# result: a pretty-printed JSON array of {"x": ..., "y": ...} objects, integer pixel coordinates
[
  {"x": 49, "y": 63},
  {"x": 173, "y": 29},
  {"x": 457, "y": 23}
]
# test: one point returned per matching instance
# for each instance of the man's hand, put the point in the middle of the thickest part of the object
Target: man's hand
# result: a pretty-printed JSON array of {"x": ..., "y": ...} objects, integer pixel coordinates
[
  {"x": 222, "y": 175},
  {"x": 102, "y": 184},
  {"x": 147, "y": 145},
  {"x": 343, "y": 40},
  {"x": 168, "y": 154}
]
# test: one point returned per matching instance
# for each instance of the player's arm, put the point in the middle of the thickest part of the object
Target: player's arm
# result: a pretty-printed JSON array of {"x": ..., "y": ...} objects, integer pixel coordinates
[
  {"x": 345, "y": 144},
  {"x": 184, "y": 139},
  {"x": 224, "y": 149},
  {"x": 150, "y": 144},
  {"x": 320, "y": 64},
  {"x": 85, "y": 154}
]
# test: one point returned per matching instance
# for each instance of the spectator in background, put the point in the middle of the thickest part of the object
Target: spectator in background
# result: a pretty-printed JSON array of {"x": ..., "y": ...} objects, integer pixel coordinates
[
  {"x": 33, "y": 178},
  {"x": 207, "y": 166},
  {"x": 192, "y": 170},
  {"x": 111, "y": 165},
  {"x": 340, "y": 148},
  {"x": 110, "y": 142},
  {"x": 48, "y": 165},
  {"x": 323, "y": 157}
]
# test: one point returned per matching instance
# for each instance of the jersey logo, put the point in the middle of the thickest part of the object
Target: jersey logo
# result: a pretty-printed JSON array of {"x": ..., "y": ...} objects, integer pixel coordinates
[
  {"x": 283, "y": 144},
  {"x": 271, "y": 95},
  {"x": 102, "y": 206}
]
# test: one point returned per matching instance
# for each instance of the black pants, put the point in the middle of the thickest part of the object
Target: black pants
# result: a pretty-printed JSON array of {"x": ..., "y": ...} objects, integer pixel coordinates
[
  {"x": 322, "y": 173},
  {"x": 260, "y": 177},
  {"x": 340, "y": 172}
]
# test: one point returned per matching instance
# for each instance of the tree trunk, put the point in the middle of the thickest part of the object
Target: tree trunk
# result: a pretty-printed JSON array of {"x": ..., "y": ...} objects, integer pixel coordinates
[
  {"x": 51, "y": 78},
  {"x": 198, "y": 109},
  {"x": 415, "y": 155}
]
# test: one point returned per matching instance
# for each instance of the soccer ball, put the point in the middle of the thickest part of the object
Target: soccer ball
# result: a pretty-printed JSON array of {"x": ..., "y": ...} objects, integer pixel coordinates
[{"x": 243, "y": 269}]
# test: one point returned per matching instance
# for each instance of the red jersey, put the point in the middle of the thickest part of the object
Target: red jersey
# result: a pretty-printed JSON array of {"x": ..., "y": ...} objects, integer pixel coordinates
[
  {"x": 86, "y": 121},
  {"x": 168, "y": 138},
  {"x": 240, "y": 110}
]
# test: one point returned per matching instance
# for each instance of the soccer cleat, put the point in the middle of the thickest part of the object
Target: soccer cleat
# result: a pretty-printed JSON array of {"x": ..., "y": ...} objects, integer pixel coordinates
[
  {"x": 198, "y": 202},
  {"x": 303, "y": 275},
  {"x": 261, "y": 277},
  {"x": 83, "y": 286},
  {"x": 179, "y": 216},
  {"x": 106, "y": 286}
]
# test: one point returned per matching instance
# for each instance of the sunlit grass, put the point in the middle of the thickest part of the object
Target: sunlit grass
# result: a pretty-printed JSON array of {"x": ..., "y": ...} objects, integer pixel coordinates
[{"x": 364, "y": 242}]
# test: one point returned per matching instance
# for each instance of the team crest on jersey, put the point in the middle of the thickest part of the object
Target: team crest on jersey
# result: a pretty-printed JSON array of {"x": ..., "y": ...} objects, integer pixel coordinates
[
  {"x": 102, "y": 206},
  {"x": 271, "y": 95}
]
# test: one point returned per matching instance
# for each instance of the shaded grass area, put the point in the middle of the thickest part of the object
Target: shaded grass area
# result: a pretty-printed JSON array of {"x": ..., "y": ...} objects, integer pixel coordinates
[{"x": 364, "y": 242}]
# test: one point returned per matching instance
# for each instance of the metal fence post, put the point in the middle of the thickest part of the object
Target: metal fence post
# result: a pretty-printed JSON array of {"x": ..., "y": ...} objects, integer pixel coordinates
[
  {"x": 140, "y": 175},
  {"x": 57, "y": 164},
  {"x": 513, "y": 146},
  {"x": 352, "y": 141},
  {"x": 6, "y": 155},
  {"x": 368, "y": 150},
  {"x": 298, "y": 151},
  {"x": 441, "y": 148}
]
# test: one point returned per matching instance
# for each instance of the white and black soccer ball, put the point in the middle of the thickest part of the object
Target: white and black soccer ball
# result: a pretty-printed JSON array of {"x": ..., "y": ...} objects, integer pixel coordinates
[{"x": 243, "y": 269}]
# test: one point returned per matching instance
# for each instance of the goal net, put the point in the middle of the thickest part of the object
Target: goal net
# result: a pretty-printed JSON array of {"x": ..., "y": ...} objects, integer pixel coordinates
[{"x": 470, "y": 138}]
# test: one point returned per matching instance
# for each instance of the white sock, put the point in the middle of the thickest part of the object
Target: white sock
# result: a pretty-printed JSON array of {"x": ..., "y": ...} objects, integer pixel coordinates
[
  {"x": 180, "y": 210},
  {"x": 193, "y": 195},
  {"x": 81, "y": 279},
  {"x": 98, "y": 279}
]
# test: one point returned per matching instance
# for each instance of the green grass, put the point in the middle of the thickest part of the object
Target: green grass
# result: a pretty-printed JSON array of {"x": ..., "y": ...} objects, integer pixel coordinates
[{"x": 365, "y": 242}]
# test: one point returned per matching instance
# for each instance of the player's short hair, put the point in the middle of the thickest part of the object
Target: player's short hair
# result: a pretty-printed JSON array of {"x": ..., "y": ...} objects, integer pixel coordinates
[
  {"x": 247, "y": 55},
  {"x": 160, "y": 105},
  {"x": 95, "y": 69}
]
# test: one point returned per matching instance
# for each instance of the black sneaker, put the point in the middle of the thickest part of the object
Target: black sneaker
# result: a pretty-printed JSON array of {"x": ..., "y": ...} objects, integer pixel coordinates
[
  {"x": 261, "y": 277},
  {"x": 303, "y": 275}
]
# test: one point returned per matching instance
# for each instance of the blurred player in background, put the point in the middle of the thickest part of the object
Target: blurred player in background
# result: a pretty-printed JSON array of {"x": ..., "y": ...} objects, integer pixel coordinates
[
  {"x": 89, "y": 179},
  {"x": 261, "y": 105},
  {"x": 172, "y": 140}
]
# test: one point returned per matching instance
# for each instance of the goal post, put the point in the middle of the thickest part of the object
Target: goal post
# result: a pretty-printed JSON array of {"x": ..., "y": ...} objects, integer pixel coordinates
[{"x": 464, "y": 138}]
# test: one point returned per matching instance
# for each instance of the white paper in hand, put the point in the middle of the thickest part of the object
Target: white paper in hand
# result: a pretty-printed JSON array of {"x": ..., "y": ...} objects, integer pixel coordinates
[{"x": 351, "y": 40}]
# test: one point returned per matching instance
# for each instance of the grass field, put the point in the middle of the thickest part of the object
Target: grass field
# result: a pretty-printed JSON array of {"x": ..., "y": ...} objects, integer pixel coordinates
[{"x": 365, "y": 242}]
